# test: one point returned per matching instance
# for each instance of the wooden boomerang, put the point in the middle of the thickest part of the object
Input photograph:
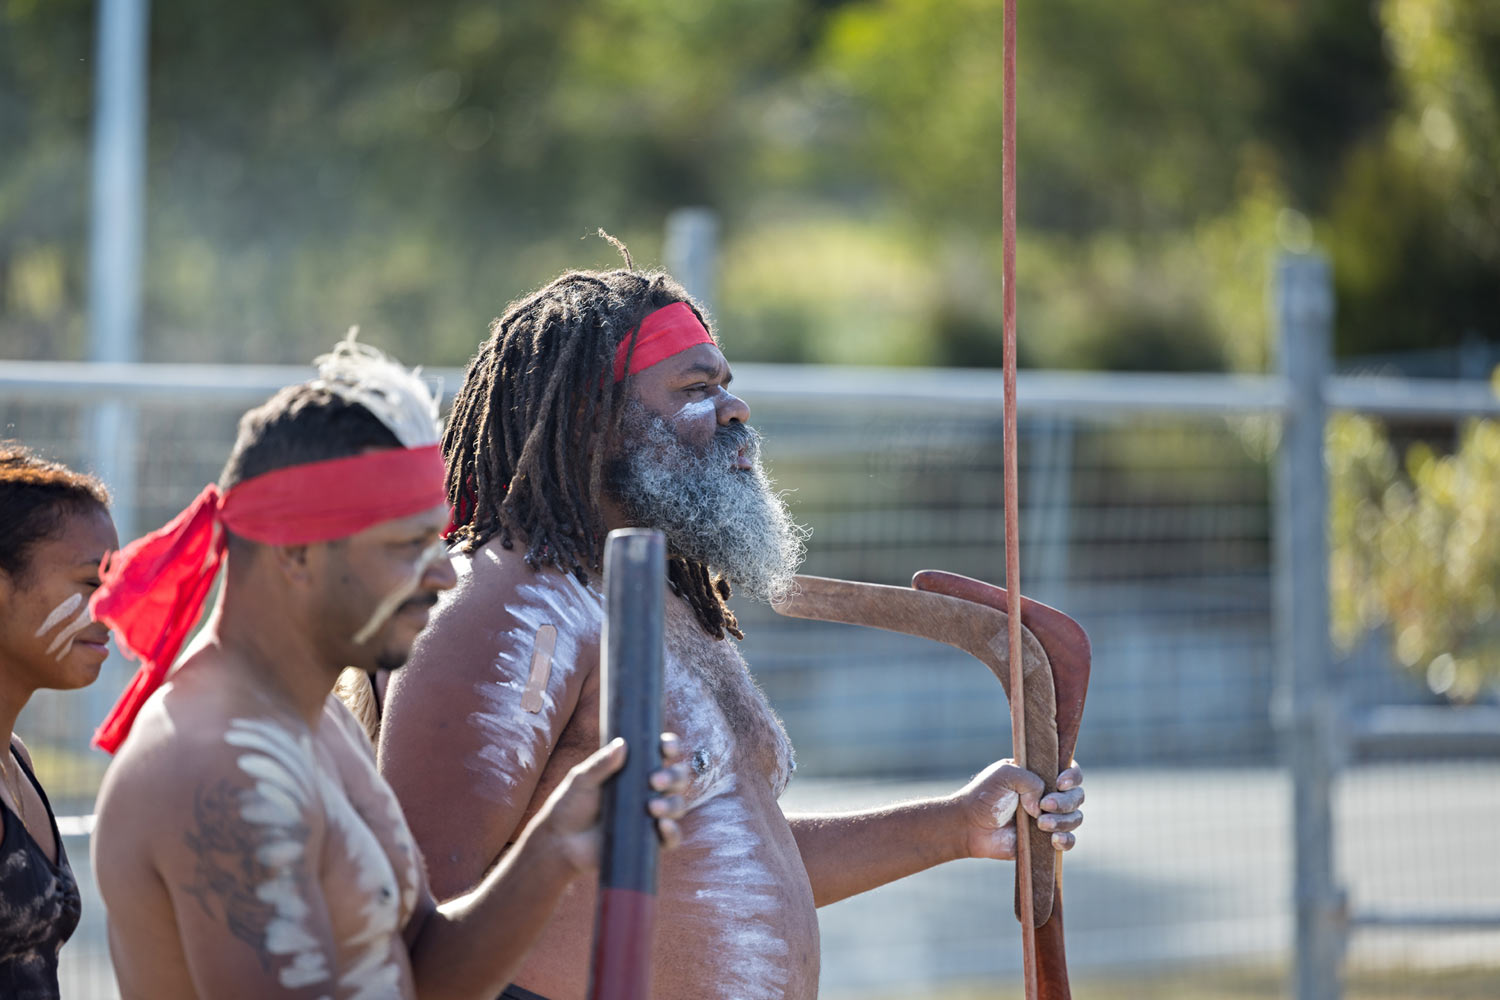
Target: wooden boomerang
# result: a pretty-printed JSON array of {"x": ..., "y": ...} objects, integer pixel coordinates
[{"x": 971, "y": 615}]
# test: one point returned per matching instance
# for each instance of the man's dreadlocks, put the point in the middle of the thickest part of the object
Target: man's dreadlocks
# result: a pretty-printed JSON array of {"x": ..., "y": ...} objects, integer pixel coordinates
[{"x": 525, "y": 443}]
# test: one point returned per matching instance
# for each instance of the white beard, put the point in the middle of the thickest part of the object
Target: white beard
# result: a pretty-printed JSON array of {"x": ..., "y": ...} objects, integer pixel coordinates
[{"x": 732, "y": 520}]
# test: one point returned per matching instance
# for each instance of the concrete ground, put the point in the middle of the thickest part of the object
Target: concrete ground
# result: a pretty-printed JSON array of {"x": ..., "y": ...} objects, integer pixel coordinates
[{"x": 1175, "y": 870}]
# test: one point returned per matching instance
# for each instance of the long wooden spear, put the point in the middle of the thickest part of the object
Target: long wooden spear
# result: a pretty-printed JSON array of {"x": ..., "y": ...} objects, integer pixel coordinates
[{"x": 1012, "y": 501}]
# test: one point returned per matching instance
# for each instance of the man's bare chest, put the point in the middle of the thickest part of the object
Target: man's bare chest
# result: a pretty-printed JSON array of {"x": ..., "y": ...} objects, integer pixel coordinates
[
  {"x": 369, "y": 864},
  {"x": 728, "y": 729}
]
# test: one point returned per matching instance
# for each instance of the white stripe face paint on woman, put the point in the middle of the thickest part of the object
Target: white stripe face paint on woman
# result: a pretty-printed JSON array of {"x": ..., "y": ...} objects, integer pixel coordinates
[{"x": 77, "y": 608}]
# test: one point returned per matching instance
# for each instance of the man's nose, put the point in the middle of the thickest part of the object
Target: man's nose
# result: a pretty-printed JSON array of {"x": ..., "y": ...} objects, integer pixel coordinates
[
  {"x": 440, "y": 574},
  {"x": 732, "y": 409}
]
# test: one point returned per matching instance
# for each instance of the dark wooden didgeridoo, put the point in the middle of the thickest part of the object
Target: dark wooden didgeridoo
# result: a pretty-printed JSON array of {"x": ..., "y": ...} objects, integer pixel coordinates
[
  {"x": 630, "y": 673},
  {"x": 1070, "y": 654}
]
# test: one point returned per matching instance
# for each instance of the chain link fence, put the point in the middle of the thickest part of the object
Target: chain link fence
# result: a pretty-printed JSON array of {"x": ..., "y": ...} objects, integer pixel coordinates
[{"x": 1148, "y": 513}]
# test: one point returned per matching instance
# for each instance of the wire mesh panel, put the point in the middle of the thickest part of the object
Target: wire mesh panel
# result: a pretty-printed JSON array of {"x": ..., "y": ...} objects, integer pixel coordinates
[{"x": 1154, "y": 532}]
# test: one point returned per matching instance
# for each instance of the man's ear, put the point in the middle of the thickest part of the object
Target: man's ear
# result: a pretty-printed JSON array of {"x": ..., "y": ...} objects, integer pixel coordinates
[
  {"x": 294, "y": 561},
  {"x": 7, "y": 593}
]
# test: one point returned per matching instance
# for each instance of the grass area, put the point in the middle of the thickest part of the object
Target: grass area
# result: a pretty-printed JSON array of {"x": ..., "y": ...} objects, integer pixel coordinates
[{"x": 1229, "y": 984}]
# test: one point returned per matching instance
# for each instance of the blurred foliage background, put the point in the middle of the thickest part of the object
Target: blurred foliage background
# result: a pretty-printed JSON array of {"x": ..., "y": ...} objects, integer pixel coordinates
[{"x": 412, "y": 167}]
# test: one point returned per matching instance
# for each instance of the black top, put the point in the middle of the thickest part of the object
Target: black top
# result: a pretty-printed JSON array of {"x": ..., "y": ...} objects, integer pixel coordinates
[{"x": 39, "y": 906}]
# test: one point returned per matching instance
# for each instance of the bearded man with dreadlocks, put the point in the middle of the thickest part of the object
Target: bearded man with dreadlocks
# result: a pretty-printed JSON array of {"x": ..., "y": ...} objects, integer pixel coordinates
[{"x": 602, "y": 401}]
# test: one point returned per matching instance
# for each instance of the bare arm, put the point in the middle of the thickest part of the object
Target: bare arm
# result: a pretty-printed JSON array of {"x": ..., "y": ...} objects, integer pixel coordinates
[
  {"x": 849, "y": 853},
  {"x": 241, "y": 877},
  {"x": 463, "y": 754},
  {"x": 473, "y": 943}
]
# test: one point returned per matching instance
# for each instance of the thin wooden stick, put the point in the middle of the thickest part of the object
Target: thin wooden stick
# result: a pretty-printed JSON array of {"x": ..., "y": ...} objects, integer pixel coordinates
[{"x": 1012, "y": 501}]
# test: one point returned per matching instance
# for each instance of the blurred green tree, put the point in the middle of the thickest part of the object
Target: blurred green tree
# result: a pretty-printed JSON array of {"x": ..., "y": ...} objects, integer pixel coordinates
[
  {"x": 1413, "y": 552},
  {"x": 412, "y": 167}
]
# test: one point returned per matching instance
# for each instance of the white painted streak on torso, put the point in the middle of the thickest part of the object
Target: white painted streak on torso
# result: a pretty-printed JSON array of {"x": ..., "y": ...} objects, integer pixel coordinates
[
  {"x": 289, "y": 783},
  {"x": 735, "y": 893},
  {"x": 283, "y": 767},
  {"x": 517, "y": 742},
  {"x": 373, "y": 973}
]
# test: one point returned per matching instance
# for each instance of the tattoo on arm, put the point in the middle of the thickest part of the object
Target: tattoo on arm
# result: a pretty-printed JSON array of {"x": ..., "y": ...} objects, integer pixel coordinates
[{"x": 245, "y": 865}]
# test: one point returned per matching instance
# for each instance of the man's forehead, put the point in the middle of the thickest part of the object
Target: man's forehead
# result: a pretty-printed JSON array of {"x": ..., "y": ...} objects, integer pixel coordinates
[
  {"x": 705, "y": 360},
  {"x": 431, "y": 520}
]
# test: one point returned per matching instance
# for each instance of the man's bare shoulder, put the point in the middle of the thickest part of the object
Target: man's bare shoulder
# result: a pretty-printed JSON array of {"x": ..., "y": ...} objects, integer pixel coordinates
[
  {"x": 195, "y": 732},
  {"x": 496, "y": 579},
  {"x": 495, "y": 612}
]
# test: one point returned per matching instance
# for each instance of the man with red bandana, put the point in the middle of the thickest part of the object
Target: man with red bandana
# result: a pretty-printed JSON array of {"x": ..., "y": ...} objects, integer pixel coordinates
[
  {"x": 602, "y": 401},
  {"x": 245, "y": 845}
]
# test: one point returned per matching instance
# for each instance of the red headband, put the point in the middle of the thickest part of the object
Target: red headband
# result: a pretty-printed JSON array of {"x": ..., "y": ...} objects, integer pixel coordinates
[
  {"x": 670, "y": 330},
  {"x": 154, "y": 588},
  {"x": 667, "y": 331}
]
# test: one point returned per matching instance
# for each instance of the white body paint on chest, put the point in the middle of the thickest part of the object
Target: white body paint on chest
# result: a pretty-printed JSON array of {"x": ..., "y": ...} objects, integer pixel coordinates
[
  {"x": 731, "y": 886},
  {"x": 75, "y": 607},
  {"x": 289, "y": 781},
  {"x": 394, "y": 819},
  {"x": 283, "y": 769},
  {"x": 516, "y": 740}
]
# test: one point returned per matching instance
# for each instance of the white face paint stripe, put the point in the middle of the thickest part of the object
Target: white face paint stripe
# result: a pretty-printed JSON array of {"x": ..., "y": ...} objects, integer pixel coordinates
[
  {"x": 399, "y": 596},
  {"x": 57, "y": 614},
  {"x": 694, "y": 410},
  {"x": 64, "y": 640}
]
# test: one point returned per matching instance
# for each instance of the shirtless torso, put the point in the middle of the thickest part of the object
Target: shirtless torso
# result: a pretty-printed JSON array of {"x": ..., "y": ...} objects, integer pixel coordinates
[
  {"x": 470, "y": 764},
  {"x": 237, "y": 831}
]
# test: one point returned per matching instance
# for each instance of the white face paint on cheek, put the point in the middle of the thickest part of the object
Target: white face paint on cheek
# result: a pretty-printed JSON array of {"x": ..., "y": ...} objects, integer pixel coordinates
[
  {"x": 57, "y": 614},
  {"x": 64, "y": 641},
  {"x": 400, "y": 595},
  {"x": 693, "y": 411}
]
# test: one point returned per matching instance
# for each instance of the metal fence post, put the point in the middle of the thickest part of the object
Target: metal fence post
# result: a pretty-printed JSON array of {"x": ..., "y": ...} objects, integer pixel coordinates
[
  {"x": 118, "y": 218},
  {"x": 118, "y": 214},
  {"x": 1305, "y": 709},
  {"x": 691, "y": 251}
]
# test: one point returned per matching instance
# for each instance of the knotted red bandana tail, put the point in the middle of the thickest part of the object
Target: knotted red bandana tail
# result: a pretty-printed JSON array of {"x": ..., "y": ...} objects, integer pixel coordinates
[
  {"x": 670, "y": 330},
  {"x": 154, "y": 588}
]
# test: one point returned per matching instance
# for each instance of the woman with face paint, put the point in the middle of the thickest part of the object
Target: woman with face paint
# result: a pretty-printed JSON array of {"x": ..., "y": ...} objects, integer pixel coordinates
[{"x": 55, "y": 530}]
